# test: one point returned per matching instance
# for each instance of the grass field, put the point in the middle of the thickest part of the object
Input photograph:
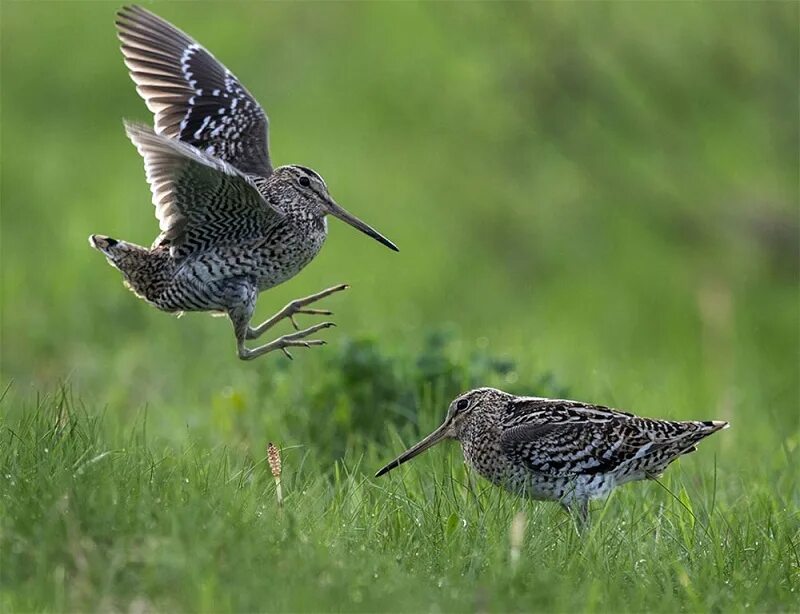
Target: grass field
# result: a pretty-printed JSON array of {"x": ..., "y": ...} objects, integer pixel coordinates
[{"x": 594, "y": 201}]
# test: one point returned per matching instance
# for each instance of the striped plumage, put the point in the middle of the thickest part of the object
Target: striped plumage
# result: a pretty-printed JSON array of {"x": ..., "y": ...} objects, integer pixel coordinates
[
  {"x": 231, "y": 225},
  {"x": 559, "y": 450},
  {"x": 193, "y": 97}
]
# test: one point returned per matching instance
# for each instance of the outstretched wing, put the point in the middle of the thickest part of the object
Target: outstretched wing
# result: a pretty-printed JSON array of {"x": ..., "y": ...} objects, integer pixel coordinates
[
  {"x": 193, "y": 96},
  {"x": 200, "y": 201},
  {"x": 566, "y": 438}
]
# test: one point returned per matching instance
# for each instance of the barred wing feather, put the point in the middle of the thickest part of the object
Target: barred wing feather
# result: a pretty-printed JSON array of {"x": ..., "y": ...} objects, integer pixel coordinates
[
  {"x": 193, "y": 96},
  {"x": 200, "y": 201},
  {"x": 569, "y": 438}
]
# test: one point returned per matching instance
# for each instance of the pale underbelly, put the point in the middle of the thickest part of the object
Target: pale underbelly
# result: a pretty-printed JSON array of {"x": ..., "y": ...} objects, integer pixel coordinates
[{"x": 546, "y": 487}]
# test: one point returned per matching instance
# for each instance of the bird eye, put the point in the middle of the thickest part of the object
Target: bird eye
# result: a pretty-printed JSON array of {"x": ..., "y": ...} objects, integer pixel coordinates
[
  {"x": 462, "y": 405},
  {"x": 304, "y": 181}
]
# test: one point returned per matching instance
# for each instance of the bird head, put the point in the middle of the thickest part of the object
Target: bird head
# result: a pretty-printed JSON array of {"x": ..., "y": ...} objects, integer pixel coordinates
[
  {"x": 304, "y": 189},
  {"x": 462, "y": 410}
]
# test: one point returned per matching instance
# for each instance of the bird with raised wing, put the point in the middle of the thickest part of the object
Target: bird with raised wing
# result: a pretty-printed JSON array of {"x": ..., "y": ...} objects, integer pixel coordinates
[
  {"x": 559, "y": 450},
  {"x": 231, "y": 224}
]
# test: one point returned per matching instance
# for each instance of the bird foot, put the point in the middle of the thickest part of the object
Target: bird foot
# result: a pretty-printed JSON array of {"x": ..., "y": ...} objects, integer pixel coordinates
[
  {"x": 297, "y": 306},
  {"x": 297, "y": 339}
]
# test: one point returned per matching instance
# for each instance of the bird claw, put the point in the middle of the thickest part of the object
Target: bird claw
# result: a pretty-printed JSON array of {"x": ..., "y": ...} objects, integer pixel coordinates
[
  {"x": 316, "y": 312},
  {"x": 285, "y": 343},
  {"x": 297, "y": 306},
  {"x": 300, "y": 305},
  {"x": 297, "y": 339}
]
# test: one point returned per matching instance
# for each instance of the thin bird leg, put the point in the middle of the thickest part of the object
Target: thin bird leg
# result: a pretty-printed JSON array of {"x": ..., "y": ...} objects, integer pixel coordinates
[
  {"x": 583, "y": 512},
  {"x": 293, "y": 308},
  {"x": 241, "y": 298},
  {"x": 579, "y": 512}
]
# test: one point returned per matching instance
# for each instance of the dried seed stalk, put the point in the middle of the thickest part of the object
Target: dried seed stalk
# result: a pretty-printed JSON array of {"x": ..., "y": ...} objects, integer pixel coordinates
[{"x": 274, "y": 459}]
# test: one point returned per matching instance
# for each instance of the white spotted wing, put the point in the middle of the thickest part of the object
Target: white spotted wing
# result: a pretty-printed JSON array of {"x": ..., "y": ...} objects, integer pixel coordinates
[{"x": 193, "y": 96}]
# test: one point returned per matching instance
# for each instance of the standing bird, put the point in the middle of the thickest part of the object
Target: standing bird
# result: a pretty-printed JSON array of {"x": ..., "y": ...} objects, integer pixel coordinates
[
  {"x": 558, "y": 450},
  {"x": 231, "y": 225}
]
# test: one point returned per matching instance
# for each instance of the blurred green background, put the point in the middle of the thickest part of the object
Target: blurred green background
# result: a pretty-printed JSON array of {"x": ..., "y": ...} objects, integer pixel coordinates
[
  {"x": 606, "y": 192},
  {"x": 593, "y": 200}
]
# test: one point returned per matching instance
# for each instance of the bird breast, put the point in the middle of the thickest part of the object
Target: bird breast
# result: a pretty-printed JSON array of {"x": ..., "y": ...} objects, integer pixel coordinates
[
  {"x": 282, "y": 259},
  {"x": 271, "y": 259},
  {"x": 484, "y": 455}
]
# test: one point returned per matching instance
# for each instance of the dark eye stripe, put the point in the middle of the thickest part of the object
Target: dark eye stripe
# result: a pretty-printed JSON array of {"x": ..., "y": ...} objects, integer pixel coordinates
[{"x": 309, "y": 172}]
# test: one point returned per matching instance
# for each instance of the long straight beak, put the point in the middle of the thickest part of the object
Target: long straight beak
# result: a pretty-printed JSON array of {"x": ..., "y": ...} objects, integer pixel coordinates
[
  {"x": 430, "y": 441},
  {"x": 335, "y": 210}
]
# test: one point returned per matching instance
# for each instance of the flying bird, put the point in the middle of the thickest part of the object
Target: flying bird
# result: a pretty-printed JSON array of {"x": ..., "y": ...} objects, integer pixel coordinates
[{"x": 231, "y": 225}]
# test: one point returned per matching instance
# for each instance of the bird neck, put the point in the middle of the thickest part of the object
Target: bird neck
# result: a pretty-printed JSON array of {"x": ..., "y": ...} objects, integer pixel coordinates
[
  {"x": 307, "y": 222},
  {"x": 477, "y": 424},
  {"x": 480, "y": 442}
]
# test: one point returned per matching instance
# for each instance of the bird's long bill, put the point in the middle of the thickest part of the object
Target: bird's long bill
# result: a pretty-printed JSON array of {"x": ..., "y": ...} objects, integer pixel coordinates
[
  {"x": 336, "y": 210},
  {"x": 430, "y": 441}
]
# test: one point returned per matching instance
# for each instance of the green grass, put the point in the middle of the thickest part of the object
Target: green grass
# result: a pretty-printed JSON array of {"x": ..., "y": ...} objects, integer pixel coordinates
[
  {"x": 593, "y": 201},
  {"x": 112, "y": 522}
]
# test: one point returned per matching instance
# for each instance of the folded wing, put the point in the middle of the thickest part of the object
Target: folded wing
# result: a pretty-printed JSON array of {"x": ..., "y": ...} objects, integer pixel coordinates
[{"x": 576, "y": 439}]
